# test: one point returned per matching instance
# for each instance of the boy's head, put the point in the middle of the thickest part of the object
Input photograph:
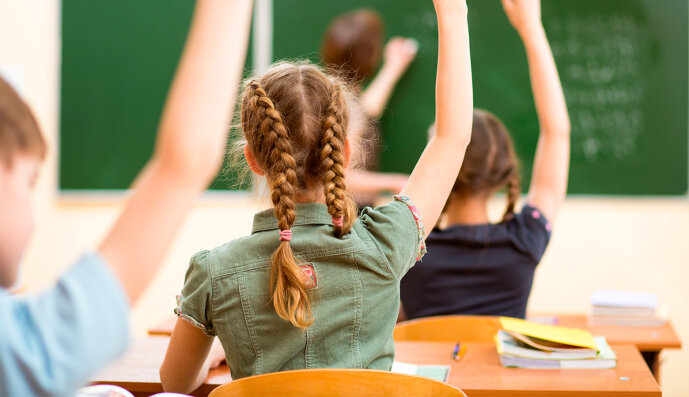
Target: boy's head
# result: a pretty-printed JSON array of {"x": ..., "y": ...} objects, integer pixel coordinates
[
  {"x": 22, "y": 148},
  {"x": 353, "y": 44}
]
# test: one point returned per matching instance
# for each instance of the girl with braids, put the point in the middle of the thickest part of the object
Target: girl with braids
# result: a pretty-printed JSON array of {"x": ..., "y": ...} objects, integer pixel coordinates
[
  {"x": 474, "y": 266},
  {"x": 315, "y": 285}
]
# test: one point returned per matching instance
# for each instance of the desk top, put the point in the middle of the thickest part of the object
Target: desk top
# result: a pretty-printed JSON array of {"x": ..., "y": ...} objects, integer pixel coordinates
[
  {"x": 137, "y": 370},
  {"x": 644, "y": 338},
  {"x": 478, "y": 373}
]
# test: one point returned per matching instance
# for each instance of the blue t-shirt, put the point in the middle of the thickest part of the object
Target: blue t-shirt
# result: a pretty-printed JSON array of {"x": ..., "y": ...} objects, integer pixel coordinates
[
  {"x": 478, "y": 269},
  {"x": 52, "y": 343}
]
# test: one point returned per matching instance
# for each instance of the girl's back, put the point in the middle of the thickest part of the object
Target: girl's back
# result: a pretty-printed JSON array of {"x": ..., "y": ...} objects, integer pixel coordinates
[
  {"x": 485, "y": 269},
  {"x": 353, "y": 282}
]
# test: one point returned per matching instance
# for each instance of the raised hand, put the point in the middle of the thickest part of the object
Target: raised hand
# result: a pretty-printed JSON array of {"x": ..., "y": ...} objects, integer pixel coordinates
[
  {"x": 523, "y": 14},
  {"x": 436, "y": 171},
  {"x": 551, "y": 163},
  {"x": 399, "y": 54}
]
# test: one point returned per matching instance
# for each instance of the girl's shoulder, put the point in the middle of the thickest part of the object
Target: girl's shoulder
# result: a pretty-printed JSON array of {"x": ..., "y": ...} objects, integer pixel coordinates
[
  {"x": 227, "y": 257},
  {"x": 397, "y": 230},
  {"x": 528, "y": 231}
]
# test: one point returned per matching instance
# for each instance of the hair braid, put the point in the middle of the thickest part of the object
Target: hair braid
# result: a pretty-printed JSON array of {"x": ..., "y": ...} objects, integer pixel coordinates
[
  {"x": 340, "y": 206},
  {"x": 513, "y": 190},
  {"x": 288, "y": 287}
]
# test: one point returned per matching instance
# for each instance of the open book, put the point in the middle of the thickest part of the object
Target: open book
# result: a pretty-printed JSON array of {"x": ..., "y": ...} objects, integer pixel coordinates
[{"x": 514, "y": 353}]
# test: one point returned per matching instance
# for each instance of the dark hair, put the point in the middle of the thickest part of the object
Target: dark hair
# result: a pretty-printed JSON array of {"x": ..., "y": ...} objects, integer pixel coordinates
[
  {"x": 295, "y": 119},
  {"x": 19, "y": 131},
  {"x": 490, "y": 162},
  {"x": 353, "y": 44}
]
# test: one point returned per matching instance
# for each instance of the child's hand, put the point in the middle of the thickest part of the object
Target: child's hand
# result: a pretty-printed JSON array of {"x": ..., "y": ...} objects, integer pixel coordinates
[
  {"x": 523, "y": 14},
  {"x": 399, "y": 54}
]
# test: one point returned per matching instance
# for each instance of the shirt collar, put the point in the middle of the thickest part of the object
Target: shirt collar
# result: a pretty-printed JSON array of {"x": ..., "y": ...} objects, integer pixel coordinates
[{"x": 307, "y": 214}]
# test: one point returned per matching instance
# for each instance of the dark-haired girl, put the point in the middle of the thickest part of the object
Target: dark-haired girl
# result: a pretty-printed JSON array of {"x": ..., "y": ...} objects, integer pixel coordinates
[{"x": 474, "y": 266}]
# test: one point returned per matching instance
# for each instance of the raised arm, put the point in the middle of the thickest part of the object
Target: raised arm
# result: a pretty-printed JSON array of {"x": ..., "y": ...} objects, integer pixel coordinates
[
  {"x": 434, "y": 175},
  {"x": 190, "y": 144},
  {"x": 399, "y": 54},
  {"x": 551, "y": 163}
]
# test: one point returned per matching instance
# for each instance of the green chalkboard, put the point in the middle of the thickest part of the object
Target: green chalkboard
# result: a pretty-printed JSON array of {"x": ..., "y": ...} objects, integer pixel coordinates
[
  {"x": 623, "y": 65},
  {"x": 118, "y": 60}
]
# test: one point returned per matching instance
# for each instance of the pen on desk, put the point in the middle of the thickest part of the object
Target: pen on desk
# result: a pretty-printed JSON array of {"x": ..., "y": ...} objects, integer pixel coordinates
[{"x": 458, "y": 351}]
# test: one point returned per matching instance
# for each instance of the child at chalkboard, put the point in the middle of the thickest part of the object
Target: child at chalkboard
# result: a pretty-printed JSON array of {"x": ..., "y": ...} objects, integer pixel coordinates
[
  {"x": 477, "y": 267},
  {"x": 352, "y": 46},
  {"x": 51, "y": 343},
  {"x": 314, "y": 285}
]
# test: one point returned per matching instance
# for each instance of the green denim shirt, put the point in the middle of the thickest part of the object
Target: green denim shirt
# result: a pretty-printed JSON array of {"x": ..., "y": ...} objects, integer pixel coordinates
[{"x": 355, "y": 291}]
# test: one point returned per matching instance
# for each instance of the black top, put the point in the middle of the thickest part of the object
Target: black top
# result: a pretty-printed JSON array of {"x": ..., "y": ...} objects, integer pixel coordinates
[{"x": 478, "y": 269}]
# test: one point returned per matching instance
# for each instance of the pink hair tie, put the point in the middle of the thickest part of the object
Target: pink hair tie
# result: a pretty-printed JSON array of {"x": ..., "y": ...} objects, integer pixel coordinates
[
  {"x": 339, "y": 222},
  {"x": 286, "y": 235}
]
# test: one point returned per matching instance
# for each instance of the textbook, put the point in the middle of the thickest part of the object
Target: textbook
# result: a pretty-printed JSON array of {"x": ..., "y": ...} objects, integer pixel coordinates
[
  {"x": 522, "y": 346},
  {"x": 514, "y": 353},
  {"x": 437, "y": 372},
  {"x": 624, "y": 299},
  {"x": 626, "y": 308},
  {"x": 549, "y": 336}
]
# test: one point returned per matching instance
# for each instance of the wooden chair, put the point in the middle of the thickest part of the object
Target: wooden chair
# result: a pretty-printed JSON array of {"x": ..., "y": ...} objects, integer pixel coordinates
[
  {"x": 476, "y": 329},
  {"x": 336, "y": 383}
]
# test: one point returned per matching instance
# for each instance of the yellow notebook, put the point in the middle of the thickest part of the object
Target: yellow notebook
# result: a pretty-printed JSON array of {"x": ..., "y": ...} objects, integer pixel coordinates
[{"x": 562, "y": 335}]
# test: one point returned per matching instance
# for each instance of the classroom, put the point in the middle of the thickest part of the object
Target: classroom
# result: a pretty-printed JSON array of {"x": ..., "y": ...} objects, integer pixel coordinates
[{"x": 96, "y": 76}]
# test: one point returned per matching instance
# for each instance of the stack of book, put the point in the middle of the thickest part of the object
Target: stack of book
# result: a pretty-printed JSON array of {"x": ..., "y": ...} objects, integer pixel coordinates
[
  {"x": 625, "y": 308},
  {"x": 524, "y": 344}
]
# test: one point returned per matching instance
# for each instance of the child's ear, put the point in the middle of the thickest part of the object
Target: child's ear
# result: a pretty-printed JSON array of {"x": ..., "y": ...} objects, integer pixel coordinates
[
  {"x": 347, "y": 152},
  {"x": 251, "y": 160}
]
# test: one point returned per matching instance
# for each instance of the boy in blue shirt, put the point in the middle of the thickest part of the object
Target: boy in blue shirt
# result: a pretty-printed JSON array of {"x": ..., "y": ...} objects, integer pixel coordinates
[{"x": 50, "y": 344}]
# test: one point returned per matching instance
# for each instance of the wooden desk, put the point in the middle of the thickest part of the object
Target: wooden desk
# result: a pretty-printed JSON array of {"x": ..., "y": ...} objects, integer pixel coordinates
[
  {"x": 164, "y": 328},
  {"x": 649, "y": 340},
  {"x": 137, "y": 370},
  {"x": 479, "y": 373},
  {"x": 646, "y": 339}
]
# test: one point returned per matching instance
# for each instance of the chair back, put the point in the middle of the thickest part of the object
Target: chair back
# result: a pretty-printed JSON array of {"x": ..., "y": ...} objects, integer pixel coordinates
[
  {"x": 457, "y": 328},
  {"x": 336, "y": 383}
]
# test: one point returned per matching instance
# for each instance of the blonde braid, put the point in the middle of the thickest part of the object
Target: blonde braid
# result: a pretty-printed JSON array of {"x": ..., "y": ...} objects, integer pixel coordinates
[
  {"x": 340, "y": 206},
  {"x": 287, "y": 286}
]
